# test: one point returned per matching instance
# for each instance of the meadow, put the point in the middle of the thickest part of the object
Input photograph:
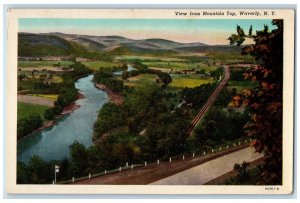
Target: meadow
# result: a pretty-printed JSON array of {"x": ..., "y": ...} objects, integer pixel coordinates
[
  {"x": 25, "y": 110},
  {"x": 190, "y": 81}
]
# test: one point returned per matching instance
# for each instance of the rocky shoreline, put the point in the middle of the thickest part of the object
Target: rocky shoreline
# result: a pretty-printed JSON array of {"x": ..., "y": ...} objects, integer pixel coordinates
[{"x": 113, "y": 97}]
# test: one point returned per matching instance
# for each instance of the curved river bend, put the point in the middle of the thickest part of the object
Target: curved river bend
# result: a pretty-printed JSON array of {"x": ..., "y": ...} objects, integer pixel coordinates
[{"x": 53, "y": 143}]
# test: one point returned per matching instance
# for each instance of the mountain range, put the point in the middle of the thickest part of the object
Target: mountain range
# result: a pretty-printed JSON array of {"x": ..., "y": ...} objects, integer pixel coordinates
[{"x": 47, "y": 44}]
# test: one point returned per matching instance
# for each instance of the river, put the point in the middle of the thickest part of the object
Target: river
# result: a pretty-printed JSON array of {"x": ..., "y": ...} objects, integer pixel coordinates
[{"x": 53, "y": 143}]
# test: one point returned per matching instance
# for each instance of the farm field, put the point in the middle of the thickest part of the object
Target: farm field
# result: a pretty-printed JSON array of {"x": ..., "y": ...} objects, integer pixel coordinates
[
  {"x": 148, "y": 58},
  {"x": 47, "y": 96},
  {"x": 179, "y": 65},
  {"x": 142, "y": 81},
  {"x": 190, "y": 81},
  {"x": 42, "y": 64},
  {"x": 25, "y": 110},
  {"x": 95, "y": 65}
]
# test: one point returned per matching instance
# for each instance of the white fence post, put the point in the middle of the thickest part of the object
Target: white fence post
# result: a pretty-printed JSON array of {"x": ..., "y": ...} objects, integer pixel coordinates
[
  {"x": 53, "y": 182},
  {"x": 204, "y": 153},
  {"x": 120, "y": 169},
  {"x": 105, "y": 172},
  {"x": 131, "y": 166},
  {"x": 126, "y": 164},
  {"x": 239, "y": 143},
  {"x": 193, "y": 154},
  {"x": 145, "y": 163},
  {"x": 89, "y": 176},
  {"x": 212, "y": 150},
  {"x": 227, "y": 147},
  {"x": 73, "y": 179},
  {"x": 170, "y": 160},
  {"x": 157, "y": 161},
  {"x": 183, "y": 157}
]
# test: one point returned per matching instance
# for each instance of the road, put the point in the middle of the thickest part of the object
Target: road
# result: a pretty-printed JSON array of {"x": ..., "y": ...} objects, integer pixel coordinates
[
  {"x": 210, "y": 101},
  {"x": 210, "y": 170},
  {"x": 154, "y": 172}
]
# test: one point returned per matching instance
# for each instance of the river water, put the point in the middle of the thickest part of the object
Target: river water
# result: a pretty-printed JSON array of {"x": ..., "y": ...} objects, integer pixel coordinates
[{"x": 53, "y": 143}]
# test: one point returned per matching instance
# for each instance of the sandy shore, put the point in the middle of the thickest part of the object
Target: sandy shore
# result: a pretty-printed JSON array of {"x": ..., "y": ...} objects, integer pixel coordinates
[{"x": 113, "y": 97}]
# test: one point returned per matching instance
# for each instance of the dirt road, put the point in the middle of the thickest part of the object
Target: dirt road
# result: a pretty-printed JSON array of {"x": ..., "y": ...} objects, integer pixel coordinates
[{"x": 35, "y": 100}]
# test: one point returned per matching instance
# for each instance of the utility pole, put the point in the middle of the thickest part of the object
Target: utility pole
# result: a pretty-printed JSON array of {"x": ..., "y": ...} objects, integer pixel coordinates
[{"x": 56, "y": 170}]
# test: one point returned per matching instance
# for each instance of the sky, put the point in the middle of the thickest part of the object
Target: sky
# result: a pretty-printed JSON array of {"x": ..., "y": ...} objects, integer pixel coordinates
[{"x": 208, "y": 31}]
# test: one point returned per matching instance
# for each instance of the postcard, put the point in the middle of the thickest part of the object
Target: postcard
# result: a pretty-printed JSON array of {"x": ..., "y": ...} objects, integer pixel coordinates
[{"x": 150, "y": 101}]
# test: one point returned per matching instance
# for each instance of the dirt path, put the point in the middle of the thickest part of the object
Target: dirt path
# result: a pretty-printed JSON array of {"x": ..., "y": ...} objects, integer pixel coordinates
[
  {"x": 154, "y": 172},
  {"x": 210, "y": 170},
  {"x": 35, "y": 100}
]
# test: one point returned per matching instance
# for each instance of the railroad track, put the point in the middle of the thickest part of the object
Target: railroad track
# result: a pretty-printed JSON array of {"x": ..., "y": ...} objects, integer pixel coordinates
[{"x": 210, "y": 101}]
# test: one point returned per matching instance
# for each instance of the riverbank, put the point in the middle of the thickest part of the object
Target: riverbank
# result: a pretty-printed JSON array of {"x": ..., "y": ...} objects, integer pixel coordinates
[
  {"x": 67, "y": 110},
  {"x": 113, "y": 97}
]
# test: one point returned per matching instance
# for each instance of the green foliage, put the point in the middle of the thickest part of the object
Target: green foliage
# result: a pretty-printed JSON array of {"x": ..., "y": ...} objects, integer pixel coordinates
[
  {"x": 28, "y": 124},
  {"x": 197, "y": 96},
  {"x": 223, "y": 98},
  {"x": 78, "y": 156},
  {"x": 67, "y": 91},
  {"x": 38, "y": 171},
  {"x": 49, "y": 114},
  {"x": 220, "y": 126},
  {"x": 244, "y": 177},
  {"x": 43, "y": 45},
  {"x": 165, "y": 136},
  {"x": 163, "y": 77},
  {"x": 105, "y": 77},
  {"x": 109, "y": 117},
  {"x": 217, "y": 73},
  {"x": 237, "y": 74}
]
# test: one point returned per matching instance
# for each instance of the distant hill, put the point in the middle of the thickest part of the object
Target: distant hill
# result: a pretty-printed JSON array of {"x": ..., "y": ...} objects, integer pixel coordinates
[
  {"x": 45, "y": 45},
  {"x": 55, "y": 44}
]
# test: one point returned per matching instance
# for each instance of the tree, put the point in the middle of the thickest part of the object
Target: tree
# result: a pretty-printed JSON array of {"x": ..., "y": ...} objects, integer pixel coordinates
[
  {"x": 265, "y": 101},
  {"x": 242, "y": 170},
  {"x": 21, "y": 77},
  {"x": 28, "y": 124},
  {"x": 79, "y": 158},
  {"x": 49, "y": 114}
]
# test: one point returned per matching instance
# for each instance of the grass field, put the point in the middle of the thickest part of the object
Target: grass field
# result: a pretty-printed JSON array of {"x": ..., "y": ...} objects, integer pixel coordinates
[
  {"x": 142, "y": 80},
  {"x": 145, "y": 83},
  {"x": 25, "y": 110},
  {"x": 241, "y": 85},
  {"x": 182, "y": 81},
  {"x": 178, "y": 65},
  {"x": 148, "y": 58},
  {"x": 95, "y": 65},
  {"x": 27, "y": 84}
]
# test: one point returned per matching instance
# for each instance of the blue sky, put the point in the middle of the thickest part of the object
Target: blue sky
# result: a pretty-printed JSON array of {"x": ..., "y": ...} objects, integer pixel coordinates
[{"x": 210, "y": 31}]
